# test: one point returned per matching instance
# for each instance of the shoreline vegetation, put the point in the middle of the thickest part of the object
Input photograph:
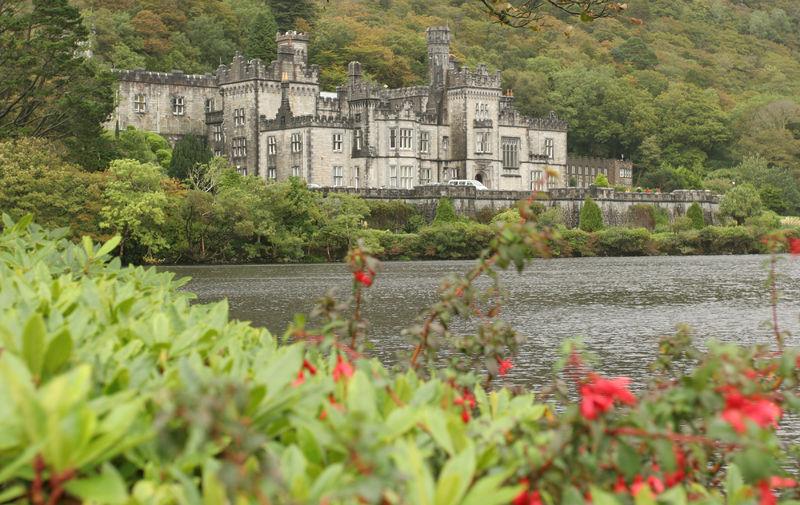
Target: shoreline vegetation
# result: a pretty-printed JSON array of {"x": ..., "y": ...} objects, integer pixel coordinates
[{"x": 214, "y": 215}]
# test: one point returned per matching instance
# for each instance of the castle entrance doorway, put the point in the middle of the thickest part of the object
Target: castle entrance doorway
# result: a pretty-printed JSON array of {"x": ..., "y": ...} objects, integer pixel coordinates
[{"x": 480, "y": 178}]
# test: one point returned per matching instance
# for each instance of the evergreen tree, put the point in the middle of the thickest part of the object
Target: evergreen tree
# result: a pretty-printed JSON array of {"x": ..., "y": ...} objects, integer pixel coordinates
[
  {"x": 601, "y": 181},
  {"x": 188, "y": 152},
  {"x": 260, "y": 41},
  {"x": 287, "y": 12},
  {"x": 47, "y": 87},
  {"x": 591, "y": 218},
  {"x": 445, "y": 212},
  {"x": 695, "y": 214}
]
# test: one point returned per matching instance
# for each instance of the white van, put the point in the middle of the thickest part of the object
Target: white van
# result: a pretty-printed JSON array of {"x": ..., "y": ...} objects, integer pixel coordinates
[{"x": 467, "y": 182}]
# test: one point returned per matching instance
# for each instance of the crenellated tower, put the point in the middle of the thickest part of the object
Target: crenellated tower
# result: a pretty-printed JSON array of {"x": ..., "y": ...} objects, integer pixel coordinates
[{"x": 438, "y": 55}]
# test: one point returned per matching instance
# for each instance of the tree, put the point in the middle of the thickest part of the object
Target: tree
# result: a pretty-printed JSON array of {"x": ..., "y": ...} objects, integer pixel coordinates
[
  {"x": 636, "y": 52},
  {"x": 37, "y": 179},
  {"x": 140, "y": 145},
  {"x": 601, "y": 181},
  {"x": 695, "y": 215},
  {"x": 135, "y": 206},
  {"x": 288, "y": 12},
  {"x": 591, "y": 217},
  {"x": 47, "y": 87},
  {"x": 740, "y": 203},
  {"x": 532, "y": 12},
  {"x": 260, "y": 41},
  {"x": 189, "y": 151},
  {"x": 445, "y": 212}
]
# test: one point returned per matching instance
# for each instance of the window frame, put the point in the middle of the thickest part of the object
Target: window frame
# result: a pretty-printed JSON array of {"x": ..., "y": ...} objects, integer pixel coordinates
[
  {"x": 424, "y": 142},
  {"x": 406, "y": 142},
  {"x": 272, "y": 145},
  {"x": 510, "y": 148},
  {"x": 297, "y": 143},
  {"x": 140, "y": 103},
  {"x": 337, "y": 142},
  {"x": 178, "y": 105},
  {"x": 338, "y": 176}
]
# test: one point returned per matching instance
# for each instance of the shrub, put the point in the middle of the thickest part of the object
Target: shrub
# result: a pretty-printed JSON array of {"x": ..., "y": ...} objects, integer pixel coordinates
[
  {"x": 552, "y": 217},
  {"x": 591, "y": 218},
  {"x": 507, "y": 216},
  {"x": 728, "y": 240},
  {"x": 445, "y": 212},
  {"x": 577, "y": 242},
  {"x": 641, "y": 215},
  {"x": 695, "y": 214},
  {"x": 624, "y": 242},
  {"x": 740, "y": 203},
  {"x": 766, "y": 221},
  {"x": 601, "y": 181},
  {"x": 394, "y": 215},
  {"x": 454, "y": 240},
  {"x": 682, "y": 223}
]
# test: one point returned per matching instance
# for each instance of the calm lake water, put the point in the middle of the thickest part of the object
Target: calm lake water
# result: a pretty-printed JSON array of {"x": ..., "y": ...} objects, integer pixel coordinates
[{"x": 619, "y": 306}]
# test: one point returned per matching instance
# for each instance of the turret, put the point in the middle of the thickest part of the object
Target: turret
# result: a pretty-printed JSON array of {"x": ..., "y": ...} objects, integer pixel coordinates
[
  {"x": 353, "y": 72},
  {"x": 438, "y": 55},
  {"x": 293, "y": 46}
]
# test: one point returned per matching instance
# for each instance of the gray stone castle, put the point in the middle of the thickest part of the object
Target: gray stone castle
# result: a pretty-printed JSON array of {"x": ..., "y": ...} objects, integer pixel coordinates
[{"x": 274, "y": 121}]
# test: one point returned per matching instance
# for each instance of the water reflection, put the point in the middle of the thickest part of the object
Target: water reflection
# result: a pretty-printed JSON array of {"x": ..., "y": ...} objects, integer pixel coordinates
[{"x": 620, "y": 306}]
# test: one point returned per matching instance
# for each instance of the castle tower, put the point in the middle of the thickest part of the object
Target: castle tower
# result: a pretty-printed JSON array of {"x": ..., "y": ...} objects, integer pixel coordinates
[
  {"x": 293, "y": 44},
  {"x": 438, "y": 54}
]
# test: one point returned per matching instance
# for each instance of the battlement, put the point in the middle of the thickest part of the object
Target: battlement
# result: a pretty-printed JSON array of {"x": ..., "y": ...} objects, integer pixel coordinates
[
  {"x": 292, "y": 36},
  {"x": 480, "y": 77},
  {"x": 242, "y": 69},
  {"x": 596, "y": 193},
  {"x": 174, "y": 78},
  {"x": 327, "y": 121},
  {"x": 413, "y": 91},
  {"x": 438, "y": 35}
]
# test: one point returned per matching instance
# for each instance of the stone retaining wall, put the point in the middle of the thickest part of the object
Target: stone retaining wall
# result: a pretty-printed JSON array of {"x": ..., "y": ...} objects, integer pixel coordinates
[{"x": 615, "y": 205}]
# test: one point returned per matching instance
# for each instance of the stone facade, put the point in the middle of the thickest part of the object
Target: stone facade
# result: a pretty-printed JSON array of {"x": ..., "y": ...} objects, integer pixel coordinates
[
  {"x": 582, "y": 171},
  {"x": 272, "y": 120}
]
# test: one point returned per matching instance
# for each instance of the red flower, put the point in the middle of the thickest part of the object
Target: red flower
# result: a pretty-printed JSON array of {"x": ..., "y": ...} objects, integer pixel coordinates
[
  {"x": 343, "y": 369},
  {"x": 465, "y": 415},
  {"x": 301, "y": 378},
  {"x": 739, "y": 408},
  {"x": 465, "y": 399},
  {"x": 364, "y": 278},
  {"x": 673, "y": 478},
  {"x": 620, "y": 487},
  {"x": 655, "y": 484},
  {"x": 767, "y": 497},
  {"x": 308, "y": 366},
  {"x": 598, "y": 395},
  {"x": 527, "y": 497},
  {"x": 794, "y": 245},
  {"x": 504, "y": 365}
]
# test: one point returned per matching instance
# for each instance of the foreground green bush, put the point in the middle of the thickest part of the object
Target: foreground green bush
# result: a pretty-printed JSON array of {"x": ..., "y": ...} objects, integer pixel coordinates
[{"x": 114, "y": 389}]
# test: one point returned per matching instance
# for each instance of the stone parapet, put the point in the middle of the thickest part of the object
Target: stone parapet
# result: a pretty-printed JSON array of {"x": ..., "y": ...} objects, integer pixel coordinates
[
  {"x": 174, "y": 78},
  {"x": 681, "y": 195},
  {"x": 328, "y": 121}
]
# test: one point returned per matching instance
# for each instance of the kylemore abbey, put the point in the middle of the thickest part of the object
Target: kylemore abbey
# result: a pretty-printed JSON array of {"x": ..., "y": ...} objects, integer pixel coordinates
[{"x": 274, "y": 121}]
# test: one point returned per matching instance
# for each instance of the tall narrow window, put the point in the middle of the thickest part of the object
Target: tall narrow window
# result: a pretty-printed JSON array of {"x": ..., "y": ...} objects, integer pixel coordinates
[
  {"x": 297, "y": 143},
  {"x": 337, "y": 142},
  {"x": 238, "y": 117},
  {"x": 139, "y": 103},
  {"x": 358, "y": 139},
  {"x": 218, "y": 133},
  {"x": 272, "y": 173},
  {"x": 445, "y": 145},
  {"x": 407, "y": 177},
  {"x": 424, "y": 142},
  {"x": 537, "y": 180},
  {"x": 239, "y": 147},
  {"x": 296, "y": 171},
  {"x": 272, "y": 145},
  {"x": 178, "y": 106},
  {"x": 392, "y": 138},
  {"x": 510, "y": 152},
  {"x": 406, "y": 138},
  {"x": 209, "y": 105},
  {"x": 392, "y": 176},
  {"x": 482, "y": 143},
  {"x": 338, "y": 177},
  {"x": 424, "y": 175},
  {"x": 549, "y": 148}
]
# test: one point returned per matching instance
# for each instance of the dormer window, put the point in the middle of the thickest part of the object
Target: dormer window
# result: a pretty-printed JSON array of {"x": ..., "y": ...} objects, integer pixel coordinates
[{"x": 178, "y": 106}]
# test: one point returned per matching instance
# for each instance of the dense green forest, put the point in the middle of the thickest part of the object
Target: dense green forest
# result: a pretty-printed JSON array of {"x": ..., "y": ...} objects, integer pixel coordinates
[{"x": 701, "y": 93}]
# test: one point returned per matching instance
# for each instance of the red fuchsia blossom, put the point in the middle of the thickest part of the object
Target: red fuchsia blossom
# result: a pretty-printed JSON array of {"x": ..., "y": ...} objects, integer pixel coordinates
[
  {"x": 674, "y": 478},
  {"x": 308, "y": 366},
  {"x": 465, "y": 415},
  {"x": 343, "y": 369},
  {"x": 654, "y": 483},
  {"x": 598, "y": 395},
  {"x": 364, "y": 278},
  {"x": 794, "y": 246},
  {"x": 467, "y": 402},
  {"x": 765, "y": 489},
  {"x": 739, "y": 408},
  {"x": 301, "y": 378},
  {"x": 504, "y": 365},
  {"x": 526, "y": 496}
]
